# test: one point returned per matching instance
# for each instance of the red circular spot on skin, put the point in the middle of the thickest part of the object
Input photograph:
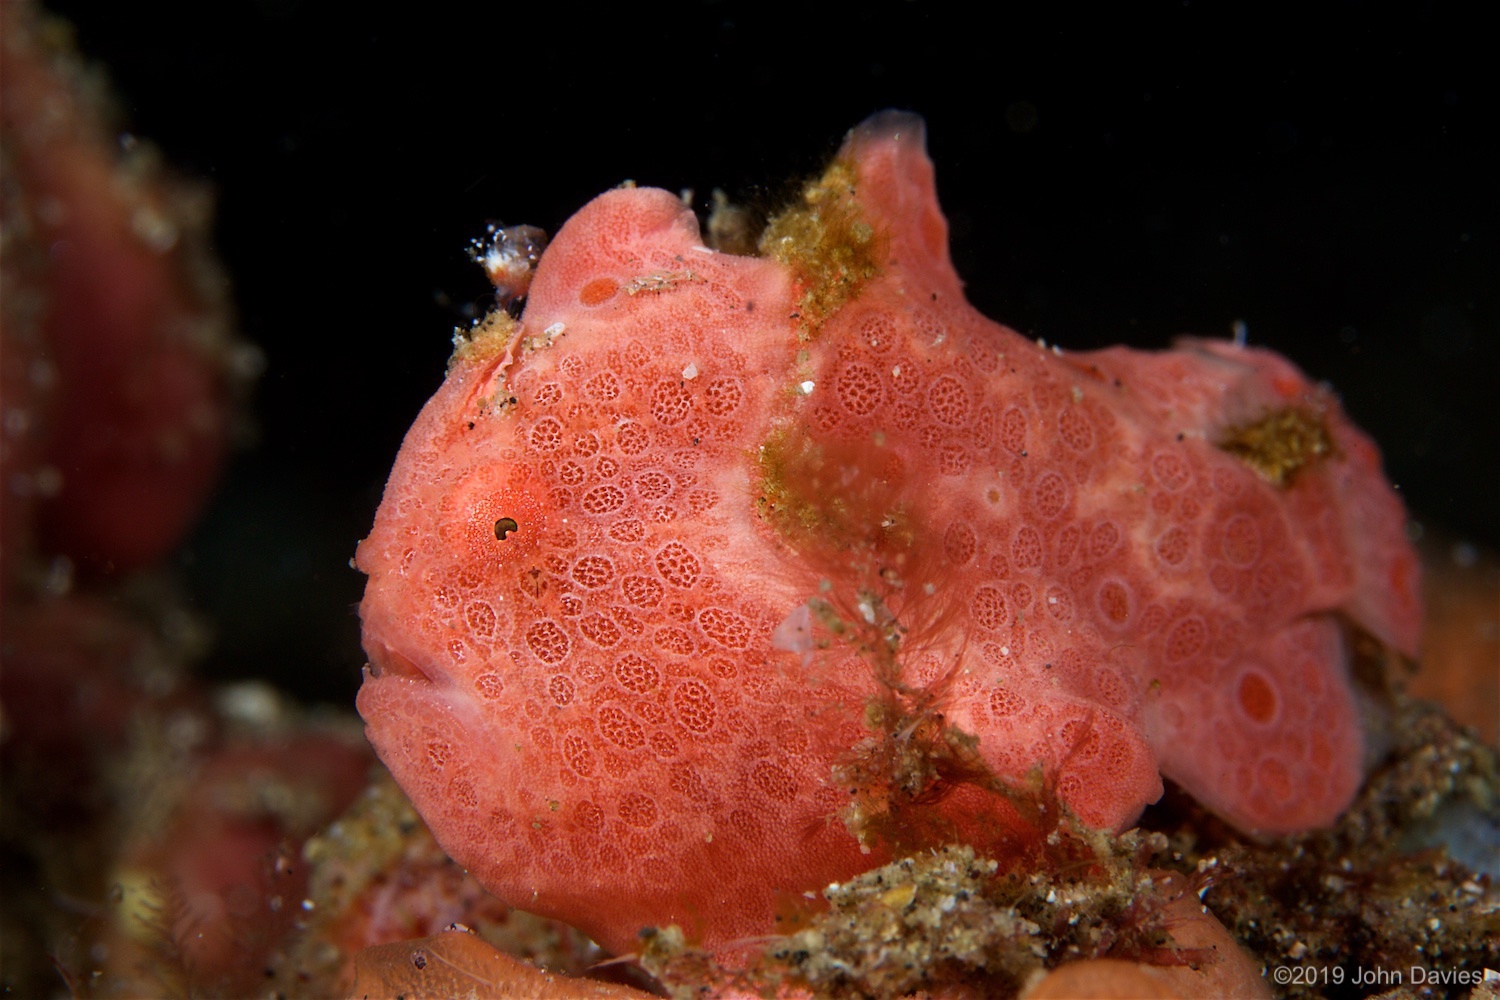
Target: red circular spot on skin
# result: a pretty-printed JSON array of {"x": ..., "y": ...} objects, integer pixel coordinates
[
  {"x": 678, "y": 566},
  {"x": 589, "y": 816},
  {"x": 1004, "y": 702},
  {"x": 1257, "y": 697},
  {"x": 1241, "y": 540},
  {"x": 653, "y": 485},
  {"x": 1075, "y": 429},
  {"x": 1111, "y": 687},
  {"x": 1272, "y": 777},
  {"x": 600, "y": 630},
  {"x": 746, "y": 826},
  {"x": 774, "y": 781},
  {"x": 632, "y": 437},
  {"x": 1067, "y": 543},
  {"x": 722, "y": 397},
  {"x": 1171, "y": 471},
  {"x": 670, "y": 401},
  {"x": 481, "y": 619},
  {"x": 605, "y": 499},
  {"x": 1185, "y": 640},
  {"x": 959, "y": 543},
  {"x": 695, "y": 707},
  {"x": 1013, "y": 430},
  {"x": 1319, "y": 752},
  {"x": 954, "y": 459},
  {"x": 643, "y": 591},
  {"x": 1026, "y": 548},
  {"x": 878, "y": 332},
  {"x": 598, "y": 291},
  {"x": 988, "y": 608},
  {"x": 685, "y": 782},
  {"x": 1114, "y": 602},
  {"x": 859, "y": 389},
  {"x": 1020, "y": 594},
  {"x": 547, "y": 641},
  {"x": 561, "y": 690},
  {"x": 676, "y": 640},
  {"x": 1172, "y": 547},
  {"x": 439, "y": 753},
  {"x": 603, "y": 387},
  {"x": 636, "y": 673},
  {"x": 1059, "y": 604},
  {"x": 1103, "y": 541},
  {"x": 984, "y": 356},
  {"x": 638, "y": 810},
  {"x": 982, "y": 433},
  {"x": 1050, "y": 495},
  {"x": 620, "y": 729},
  {"x": 724, "y": 627},
  {"x": 627, "y": 530},
  {"x": 949, "y": 401},
  {"x": 546, "y": 434},
  {"x": 593, "y": 572}
]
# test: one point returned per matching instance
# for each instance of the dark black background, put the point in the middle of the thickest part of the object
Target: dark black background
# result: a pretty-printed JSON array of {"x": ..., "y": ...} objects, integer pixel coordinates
[{"x": 1325, "y": 173}]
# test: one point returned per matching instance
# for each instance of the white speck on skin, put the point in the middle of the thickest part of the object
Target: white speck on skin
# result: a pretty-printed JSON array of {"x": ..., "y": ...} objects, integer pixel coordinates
[
  {"x": 806, "y": 388},
  {"x": 690, "y": 372}
]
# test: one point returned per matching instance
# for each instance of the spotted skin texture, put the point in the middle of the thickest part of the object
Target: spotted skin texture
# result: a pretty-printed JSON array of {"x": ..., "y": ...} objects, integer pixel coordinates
[{"x": 624, "y": 713}]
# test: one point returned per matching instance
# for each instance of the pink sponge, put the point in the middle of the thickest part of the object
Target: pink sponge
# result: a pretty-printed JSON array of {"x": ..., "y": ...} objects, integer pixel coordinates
[{"x": 650, "y": 560}]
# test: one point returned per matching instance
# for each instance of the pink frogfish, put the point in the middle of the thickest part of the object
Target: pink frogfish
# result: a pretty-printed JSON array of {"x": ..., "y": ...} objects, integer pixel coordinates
[{"x": 661, "y": 562}]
